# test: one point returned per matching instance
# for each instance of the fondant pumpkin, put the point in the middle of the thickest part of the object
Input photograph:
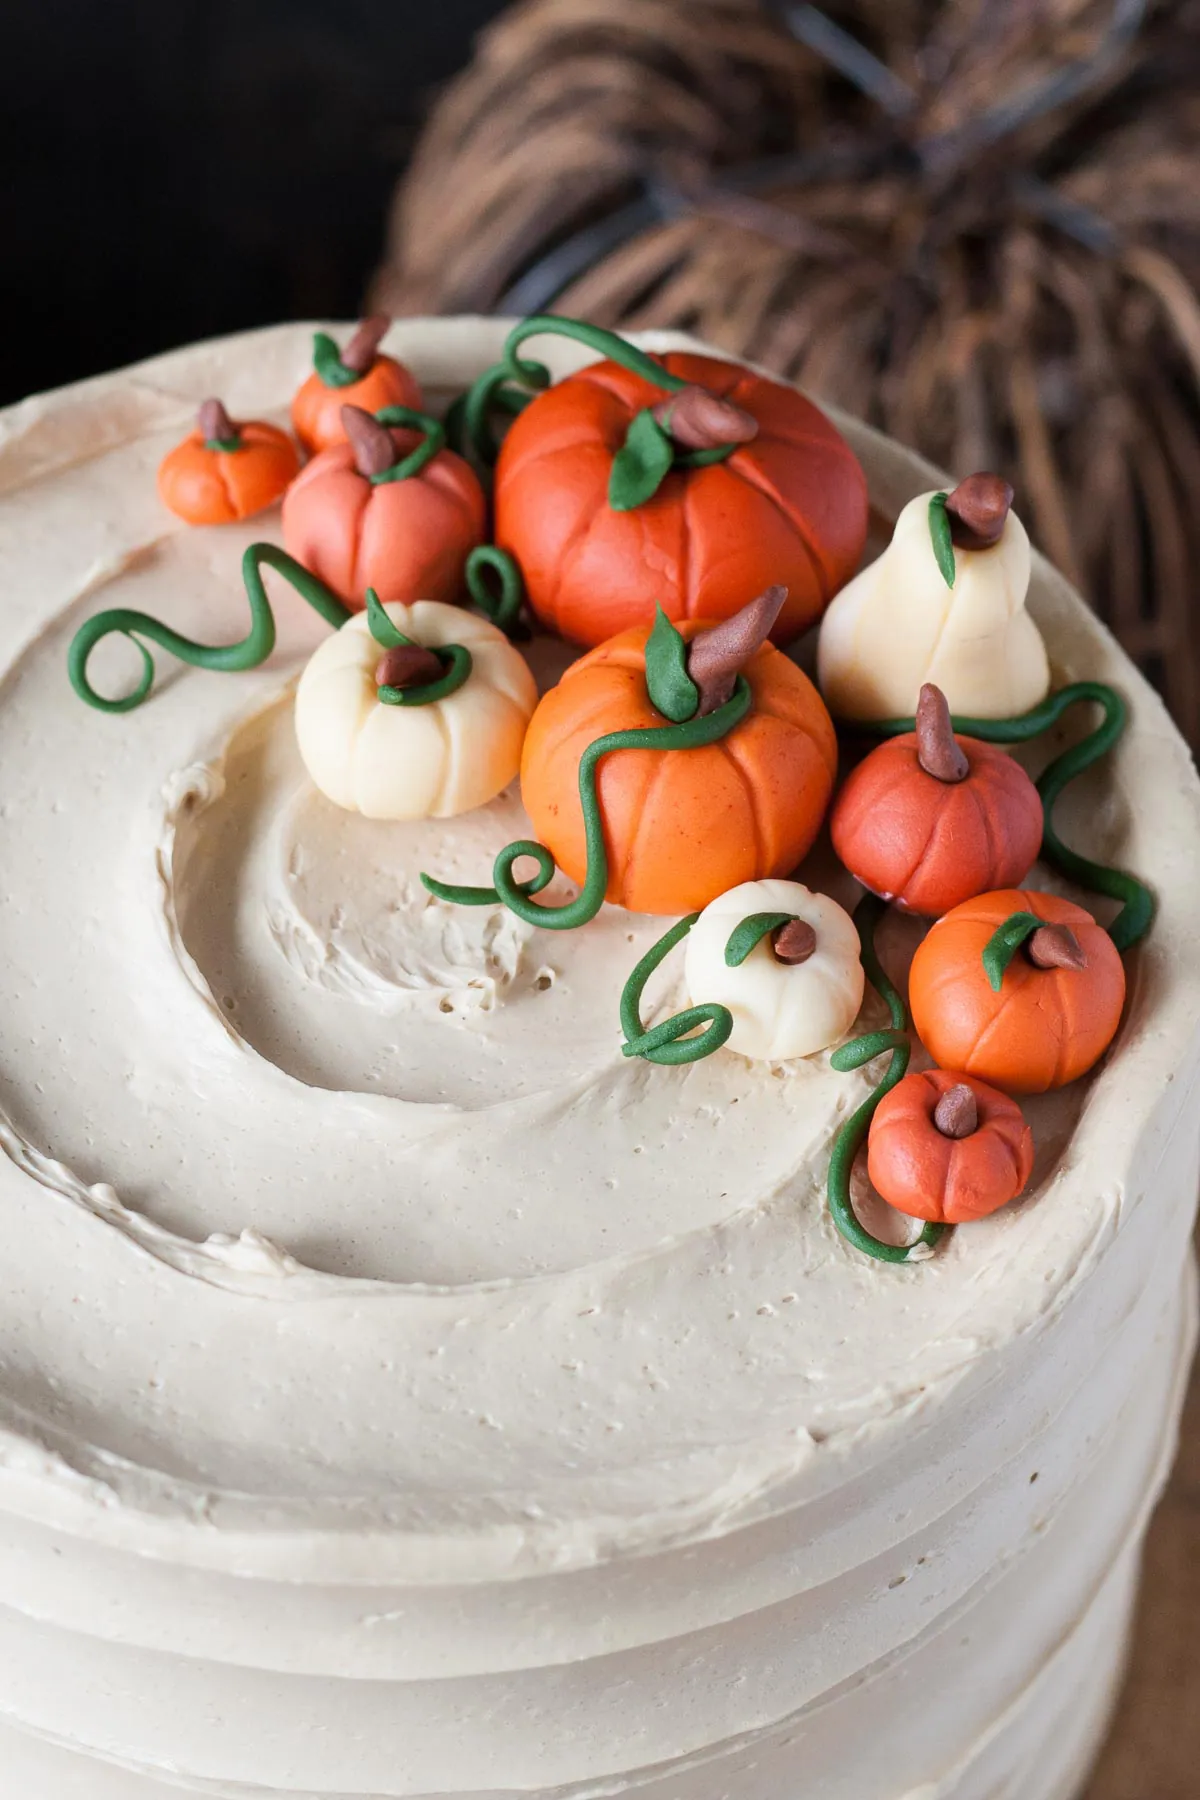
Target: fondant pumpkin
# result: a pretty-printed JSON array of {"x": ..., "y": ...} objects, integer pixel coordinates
[
  {"x": 416, "y": 761},
  {"x": 682, "y": 826},
  {"x": 357, "y": 376},
  {"x": 386, "y": 509},
  {"x": 789, "y": 506},
  {"x": 222, "y": 471},
  {"x": 797, "y": 989},
  {"x": 1043, "y": 1008},
  {"x": 930, "y": 819},
  {"x": 944, "y": 603},
  {"x": 949, "y": 1148}
]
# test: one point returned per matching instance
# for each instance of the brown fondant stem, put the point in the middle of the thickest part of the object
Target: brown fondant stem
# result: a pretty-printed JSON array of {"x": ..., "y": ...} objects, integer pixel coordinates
[
  {"x": 977, "y": 510},
  {"x": 694, "y": 419},
  {"x": 716, "y": 657},
  {"x": 1055, "y": 947},
  {"x": 938, "y": 750},
  {"x": 407, "y": 665},
  {"x": 371, "y": 442},
  {"x": 214, "y": 422},
  {"x": 956, "y": 1114},
  {"x": 363, "y": 347},
  {"x": 794, "y": 942}
]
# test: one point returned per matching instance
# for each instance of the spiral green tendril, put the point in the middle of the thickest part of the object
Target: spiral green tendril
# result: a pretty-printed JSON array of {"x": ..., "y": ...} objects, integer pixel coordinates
[
  {"x": 1137, "y": 901},
  {"x": 503, "y": 609},
  {"x": 750, "y": 933},
  {"x": 1004, "y": 943},
  {"x": 851, "y": 1135},
  {"x": 247, "y": 653},
  {"x": 433, "y": 440},
  {"x": 455, "y": 659},
  {"x": 327, "y": 361},
  {"x": 693, "y": 734},
  {"x": 943, "y": 541},
  {"x": 529, "y": 377},
  {"x": 668, "y": 1042}
]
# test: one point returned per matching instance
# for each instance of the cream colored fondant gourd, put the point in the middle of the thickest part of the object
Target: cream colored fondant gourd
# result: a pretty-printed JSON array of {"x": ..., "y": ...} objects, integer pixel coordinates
[
  {"x": 780, "y": 1008},
  {"x": 900, "y": 623},
  {"x": 414, "y": 762}
]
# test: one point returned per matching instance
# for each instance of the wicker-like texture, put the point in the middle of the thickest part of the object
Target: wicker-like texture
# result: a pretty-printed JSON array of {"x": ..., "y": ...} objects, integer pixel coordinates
[{"x": 976, "y": 224}]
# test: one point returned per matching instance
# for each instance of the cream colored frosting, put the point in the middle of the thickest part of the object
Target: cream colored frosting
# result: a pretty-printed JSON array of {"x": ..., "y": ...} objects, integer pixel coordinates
[
  {"x": 898, "y": 624},
  {"x": 406, "y": 1394}
]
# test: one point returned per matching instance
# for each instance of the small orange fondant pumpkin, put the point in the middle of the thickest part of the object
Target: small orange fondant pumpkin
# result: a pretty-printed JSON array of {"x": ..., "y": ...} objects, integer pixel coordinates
[
  {"x": 789, "y": 506},
  {"x": 223, "y": 471},
  {"x": 359, "y": 376},
  {"x": 682, "y": 826},
  {"x": 949, "y": 1148},
  {"x": 1056, "y": 1002},
  {"x": 929, "y": 820},
  {"x": 358, "y": 521}
]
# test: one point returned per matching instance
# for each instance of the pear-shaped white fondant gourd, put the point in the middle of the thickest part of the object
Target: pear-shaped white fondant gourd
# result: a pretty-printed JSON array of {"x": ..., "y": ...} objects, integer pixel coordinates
[
  {"x": 900, "y": 623},
  {"x": 796, "y": 992},
  {"x": 413, "y": 761}
]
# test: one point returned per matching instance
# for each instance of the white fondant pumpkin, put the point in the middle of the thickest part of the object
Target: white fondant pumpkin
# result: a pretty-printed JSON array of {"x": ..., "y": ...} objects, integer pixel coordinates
[
  {"x": 898, "y": 625},
  {"x": 779, "y": 1010},
  {"x": 414, "y": 762}
]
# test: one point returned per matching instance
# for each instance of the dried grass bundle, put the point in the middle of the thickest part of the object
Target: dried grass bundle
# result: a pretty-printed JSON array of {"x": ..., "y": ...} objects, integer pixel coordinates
[{"x": 976, "y": 224}]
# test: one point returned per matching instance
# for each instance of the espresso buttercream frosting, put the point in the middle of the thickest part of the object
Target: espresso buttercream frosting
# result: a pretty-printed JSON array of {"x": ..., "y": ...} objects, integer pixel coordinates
[{"x": 406, "y": 1394}]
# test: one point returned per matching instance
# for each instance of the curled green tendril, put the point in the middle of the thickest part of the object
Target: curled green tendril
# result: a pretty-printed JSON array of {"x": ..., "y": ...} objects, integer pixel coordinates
[
  {"x": 455, "y": 660},
  {"x": 668, "y": 1042},
  {"x": 851, "y": 1135},
  {"x": 1137, "y": 901},
  {"x": 247, "y": 653},
  {"x": 747, "y": 936},
  {"x": 693, "y": 734},
  {"x": 503, "y": 609},
  {"x": 527, "y": 377},
  {"x": 943, "y": 541},
  {"x": 1004, "y": 943},
  {"x": 327, "y": 361},
  {"x": 433, "y": 440}
]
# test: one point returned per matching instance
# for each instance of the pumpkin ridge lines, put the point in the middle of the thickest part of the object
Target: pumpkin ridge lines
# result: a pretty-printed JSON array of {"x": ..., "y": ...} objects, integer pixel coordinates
[
  {"x": 574, "y": 543},
  {"x": 448, "y": 758},
  {"x": 656, "y": 767},
  {"x": 226, "y": 485},
  {"x": 743, "y": 465},
  {"x": 747, "y": 786},
  {"x": 992, "y": 1025}
]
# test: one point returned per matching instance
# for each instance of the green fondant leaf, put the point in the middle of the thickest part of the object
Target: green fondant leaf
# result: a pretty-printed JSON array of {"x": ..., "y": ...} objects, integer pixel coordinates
[
  {"x": 640, "y": 464},
  {"x": 671, "y": 689},
  {"x": 382, "y": 629},
  {"x": 752, "y": 930},
  {"x": 1004, "y": 943},
  {"x": 327, "y": 361},
  {"x": 943, "y": 543}
]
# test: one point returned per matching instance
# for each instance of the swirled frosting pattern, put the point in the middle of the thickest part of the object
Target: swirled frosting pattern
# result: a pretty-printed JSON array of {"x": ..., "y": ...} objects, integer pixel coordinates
[{"x": 404, "y": 1394}]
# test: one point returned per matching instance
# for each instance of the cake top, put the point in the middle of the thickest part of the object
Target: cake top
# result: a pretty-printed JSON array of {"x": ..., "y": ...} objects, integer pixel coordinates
[{"x": 338, "y": 1208}]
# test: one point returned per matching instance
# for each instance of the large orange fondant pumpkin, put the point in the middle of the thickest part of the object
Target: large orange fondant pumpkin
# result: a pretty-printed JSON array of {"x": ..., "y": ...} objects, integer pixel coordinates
[
  {"x": 1043, "y": 1026},
  {"x": 788, "y": 507},
  {"x": 680, "y": 826},
  {"x": 407, "y": 539}
]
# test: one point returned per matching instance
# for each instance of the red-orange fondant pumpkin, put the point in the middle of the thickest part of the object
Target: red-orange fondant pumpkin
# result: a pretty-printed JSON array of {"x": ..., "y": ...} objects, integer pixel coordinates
[
  {"x": 382, "y": 381},
  {"x": 407, "y": 539},
  {"x": 788, "y": 507},
  {"x": 1045, "y": 1026},
  {"x": 224, "y": 471},
  {"x": 680, "y": 826},
  {"x": 925, "y": 842},
  {"x": 951, "y": 1180}
]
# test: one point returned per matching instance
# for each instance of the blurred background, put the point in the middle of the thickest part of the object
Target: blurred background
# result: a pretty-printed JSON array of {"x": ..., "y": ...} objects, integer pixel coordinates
[{"x": 975, "y": 222}]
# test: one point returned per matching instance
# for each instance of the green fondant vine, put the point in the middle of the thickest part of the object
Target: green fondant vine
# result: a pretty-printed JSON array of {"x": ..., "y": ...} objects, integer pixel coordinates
[{"x": 668, "y": 1041}]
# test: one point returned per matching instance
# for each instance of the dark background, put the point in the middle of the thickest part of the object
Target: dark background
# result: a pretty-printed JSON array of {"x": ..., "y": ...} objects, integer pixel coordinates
[{"x": 180, "y": 169}]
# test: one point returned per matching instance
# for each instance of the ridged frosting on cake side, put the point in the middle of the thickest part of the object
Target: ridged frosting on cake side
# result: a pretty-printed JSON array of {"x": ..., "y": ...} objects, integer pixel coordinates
[{"x": 405, "y": 1394}]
